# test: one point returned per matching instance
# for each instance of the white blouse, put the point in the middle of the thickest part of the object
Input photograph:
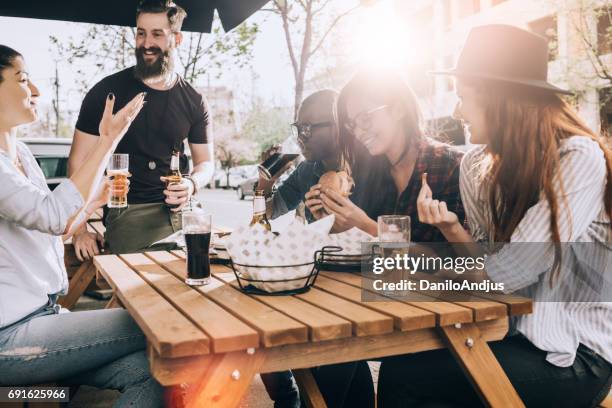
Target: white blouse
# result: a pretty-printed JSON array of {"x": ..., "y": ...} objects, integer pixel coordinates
[
  {"x": 577, "y": 308},
  {"x": 32, "y": 220}
]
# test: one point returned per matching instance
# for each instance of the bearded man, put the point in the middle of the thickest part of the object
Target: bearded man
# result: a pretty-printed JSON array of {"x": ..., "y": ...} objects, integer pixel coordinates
[{"x": 174, "y": 111}]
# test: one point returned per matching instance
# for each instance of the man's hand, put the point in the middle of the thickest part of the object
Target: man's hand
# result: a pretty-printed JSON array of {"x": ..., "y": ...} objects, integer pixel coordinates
[
  {"x": 348, "y": 215},
  {"x": 178, "y": 193},
  {"x": 434, "y": 212},
  {"x": 313, "y": 202},
  {"x": 86, "y": 244}
]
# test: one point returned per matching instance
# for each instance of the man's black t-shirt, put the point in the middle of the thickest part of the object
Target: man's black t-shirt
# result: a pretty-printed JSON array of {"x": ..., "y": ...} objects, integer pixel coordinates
[{"x": 161, "y": 127}]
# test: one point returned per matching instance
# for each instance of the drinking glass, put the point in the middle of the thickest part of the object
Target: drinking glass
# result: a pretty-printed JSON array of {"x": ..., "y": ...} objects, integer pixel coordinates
[
  {"x": 118, "y": 171},
  {"x": 197, "y": 228}
]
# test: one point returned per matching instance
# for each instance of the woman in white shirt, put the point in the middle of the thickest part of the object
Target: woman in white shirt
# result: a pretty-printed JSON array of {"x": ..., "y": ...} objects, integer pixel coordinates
[
  {"x": 38, "y": 343},
  {"x": 542, "y": 181}
]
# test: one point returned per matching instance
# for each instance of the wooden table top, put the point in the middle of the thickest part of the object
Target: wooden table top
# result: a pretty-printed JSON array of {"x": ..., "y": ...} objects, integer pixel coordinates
[{"x": 180, "y": 320}]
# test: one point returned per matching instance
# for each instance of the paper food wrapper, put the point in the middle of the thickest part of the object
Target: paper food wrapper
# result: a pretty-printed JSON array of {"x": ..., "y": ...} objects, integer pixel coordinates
[
  {"x": 296, "y": 245},
  {"x": 261, "y": 255}
]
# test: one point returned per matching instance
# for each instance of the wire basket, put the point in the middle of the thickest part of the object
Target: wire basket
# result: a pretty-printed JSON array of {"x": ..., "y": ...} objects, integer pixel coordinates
[
  {"x": 335, "y": 262},
  {"x": 247, "y": 283}
]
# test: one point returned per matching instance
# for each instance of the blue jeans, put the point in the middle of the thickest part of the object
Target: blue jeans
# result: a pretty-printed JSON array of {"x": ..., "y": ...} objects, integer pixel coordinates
[{"x": 101, "y": 348}]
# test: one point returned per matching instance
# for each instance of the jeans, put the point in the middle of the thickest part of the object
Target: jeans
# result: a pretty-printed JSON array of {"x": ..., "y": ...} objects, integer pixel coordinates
[
  {"x": 434, "y": 379},
  {"x": 101, "y": 348}
]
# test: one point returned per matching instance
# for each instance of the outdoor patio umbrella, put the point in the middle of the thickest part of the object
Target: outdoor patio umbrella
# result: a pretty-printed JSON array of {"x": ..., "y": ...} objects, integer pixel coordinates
[{"x": 122, "y": 12}]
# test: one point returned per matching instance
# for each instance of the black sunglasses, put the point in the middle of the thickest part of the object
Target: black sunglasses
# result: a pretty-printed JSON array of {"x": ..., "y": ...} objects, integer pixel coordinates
[{"x": 304, "y": 130}]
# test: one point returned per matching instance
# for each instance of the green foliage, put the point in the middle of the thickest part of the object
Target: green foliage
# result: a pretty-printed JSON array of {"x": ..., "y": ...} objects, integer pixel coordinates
[{"x": 267, "y": 126}]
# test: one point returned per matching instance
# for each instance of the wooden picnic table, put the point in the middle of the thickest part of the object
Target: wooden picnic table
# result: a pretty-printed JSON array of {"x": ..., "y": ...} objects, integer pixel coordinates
[{"x": 211, "y": 340}]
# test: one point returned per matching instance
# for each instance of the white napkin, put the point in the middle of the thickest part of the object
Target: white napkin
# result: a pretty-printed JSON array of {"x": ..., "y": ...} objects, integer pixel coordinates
[{"x": 256, "y": 246}]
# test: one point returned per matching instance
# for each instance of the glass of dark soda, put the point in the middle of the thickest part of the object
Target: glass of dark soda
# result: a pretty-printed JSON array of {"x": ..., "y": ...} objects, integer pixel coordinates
[{"x": 197, "y": 227}]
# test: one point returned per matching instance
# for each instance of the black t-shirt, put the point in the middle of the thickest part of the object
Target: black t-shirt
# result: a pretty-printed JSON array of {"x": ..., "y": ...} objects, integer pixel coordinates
[{"x": 161, "y": 127}]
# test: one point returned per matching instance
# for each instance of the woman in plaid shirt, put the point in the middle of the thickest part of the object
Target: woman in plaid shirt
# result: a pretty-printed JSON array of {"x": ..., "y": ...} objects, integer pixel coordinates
[{"x": 378, "y": 112}]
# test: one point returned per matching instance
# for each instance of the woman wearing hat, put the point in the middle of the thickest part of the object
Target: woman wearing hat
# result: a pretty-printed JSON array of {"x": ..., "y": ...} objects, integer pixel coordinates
[{"x": 541, "y": 177}]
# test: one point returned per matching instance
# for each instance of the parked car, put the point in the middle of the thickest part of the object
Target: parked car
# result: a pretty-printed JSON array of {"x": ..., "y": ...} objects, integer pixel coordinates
[
  {"x": 52, "y": 157},
  {"x": 246, "y": 187}
]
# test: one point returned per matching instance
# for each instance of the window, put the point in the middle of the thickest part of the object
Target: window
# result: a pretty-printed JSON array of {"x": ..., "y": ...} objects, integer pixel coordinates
[
  {"x": 605, "y": 101},
  {"x": 604, "y": 31},
  {"x": 547, "y": 27},
  {"x": 53, "y": 167}
]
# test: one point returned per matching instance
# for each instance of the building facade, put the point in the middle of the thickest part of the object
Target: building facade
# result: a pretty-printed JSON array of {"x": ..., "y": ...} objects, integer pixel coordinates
[{"x": 574, "y": 28}]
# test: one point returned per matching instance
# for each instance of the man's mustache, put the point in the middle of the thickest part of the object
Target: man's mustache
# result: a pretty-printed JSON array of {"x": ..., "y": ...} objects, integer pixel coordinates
[{"x": 156, "y": 50}]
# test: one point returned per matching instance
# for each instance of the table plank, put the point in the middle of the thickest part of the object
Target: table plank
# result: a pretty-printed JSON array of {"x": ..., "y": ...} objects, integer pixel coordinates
[
  {"x": 366, "y": 322},
  {"x": 169, "y": 371},
  {"x": 274, "y": 328},
  {"x": 405, "y": 317},
  {"x": 226, "y": 332},
  {"x": 516, "y": 305},
  {"x": 169, "y": 332},
  {"x": 322, "y": 325},
  {"x": 446, "y": 313}
]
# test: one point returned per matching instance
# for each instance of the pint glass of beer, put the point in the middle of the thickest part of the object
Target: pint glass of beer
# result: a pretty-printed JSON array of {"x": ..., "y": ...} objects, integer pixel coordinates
[
  {"x": 197, "y": 229},
  {"x": 118, "y": 171}
]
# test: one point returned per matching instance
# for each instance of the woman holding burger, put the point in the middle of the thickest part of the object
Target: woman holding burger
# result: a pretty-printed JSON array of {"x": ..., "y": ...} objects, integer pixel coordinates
[{"x": 378, "y": 111}]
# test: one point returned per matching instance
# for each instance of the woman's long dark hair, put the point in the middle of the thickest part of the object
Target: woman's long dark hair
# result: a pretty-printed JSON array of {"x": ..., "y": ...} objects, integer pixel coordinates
[
  {"x": 383, "y": 87},
  {"x": 7, "y": 55}
]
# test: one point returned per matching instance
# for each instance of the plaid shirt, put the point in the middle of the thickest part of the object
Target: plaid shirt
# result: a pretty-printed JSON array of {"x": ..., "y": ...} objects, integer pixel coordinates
[{"x": 441, "y": 162}]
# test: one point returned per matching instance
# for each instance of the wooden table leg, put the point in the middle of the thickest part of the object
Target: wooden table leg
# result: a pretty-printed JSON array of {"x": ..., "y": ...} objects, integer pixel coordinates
[
  {"x": 309, "y": 390},
  {"x": 114, "y": 303},
  {"x": 78, "y": 283},
  {"x": 225, "y": 382},
  {"x": 480, "y": 365}
]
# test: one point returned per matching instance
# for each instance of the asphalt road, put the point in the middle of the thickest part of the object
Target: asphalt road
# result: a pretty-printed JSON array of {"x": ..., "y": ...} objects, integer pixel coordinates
[{"x": 229, "y": 211}]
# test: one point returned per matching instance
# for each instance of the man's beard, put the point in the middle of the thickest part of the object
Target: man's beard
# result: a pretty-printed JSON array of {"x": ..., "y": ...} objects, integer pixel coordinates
[{"x": 161, "y": 68}]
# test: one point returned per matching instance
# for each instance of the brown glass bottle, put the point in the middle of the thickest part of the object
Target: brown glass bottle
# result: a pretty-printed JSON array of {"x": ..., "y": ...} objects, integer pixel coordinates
[
  {"x": 259, "y": 211},
  {"x": 174, "y": 176}
]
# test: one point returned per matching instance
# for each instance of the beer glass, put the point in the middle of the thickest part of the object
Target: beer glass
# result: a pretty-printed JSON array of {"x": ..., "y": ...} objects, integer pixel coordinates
[
  {"x": 197, "y": 227},
  {"x": 394, "y": 235},
  {"x": 118, "y": 171},
  {"x": 394, "y": 228}
]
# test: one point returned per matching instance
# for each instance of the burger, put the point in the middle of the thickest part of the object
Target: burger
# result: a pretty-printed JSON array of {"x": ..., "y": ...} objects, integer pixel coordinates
[{"x": 339, "y": 181}]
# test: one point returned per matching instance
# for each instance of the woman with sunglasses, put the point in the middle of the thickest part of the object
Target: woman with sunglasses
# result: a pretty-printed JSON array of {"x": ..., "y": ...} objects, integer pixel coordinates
[
  {"x": 39, "y": 341},
  {"x": 378, "y": 111},
  {"x": 540, "y": 186}
]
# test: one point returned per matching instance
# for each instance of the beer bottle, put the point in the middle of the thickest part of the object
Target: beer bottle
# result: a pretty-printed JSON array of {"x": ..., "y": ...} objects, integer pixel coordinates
[
  {"x": 259, "y": 210},
  {"x": 174, "y": 176}
]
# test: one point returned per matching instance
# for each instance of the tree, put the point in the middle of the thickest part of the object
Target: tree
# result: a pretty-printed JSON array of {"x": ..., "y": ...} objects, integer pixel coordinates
[
  {"x": 303, "y": 19},
  {"x": 232, "y": 150},
  {"x": 587, "y": 57},
  {"x": 266, "y": 126},
  {"x": 110, "y": 48}
]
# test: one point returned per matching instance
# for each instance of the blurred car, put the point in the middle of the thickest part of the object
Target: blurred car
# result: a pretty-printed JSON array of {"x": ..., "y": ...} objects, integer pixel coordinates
[
  {"x": 52, "y": 157},
  {"x": 246, "y": 187},
  {"x": 237, "y": 175}
]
